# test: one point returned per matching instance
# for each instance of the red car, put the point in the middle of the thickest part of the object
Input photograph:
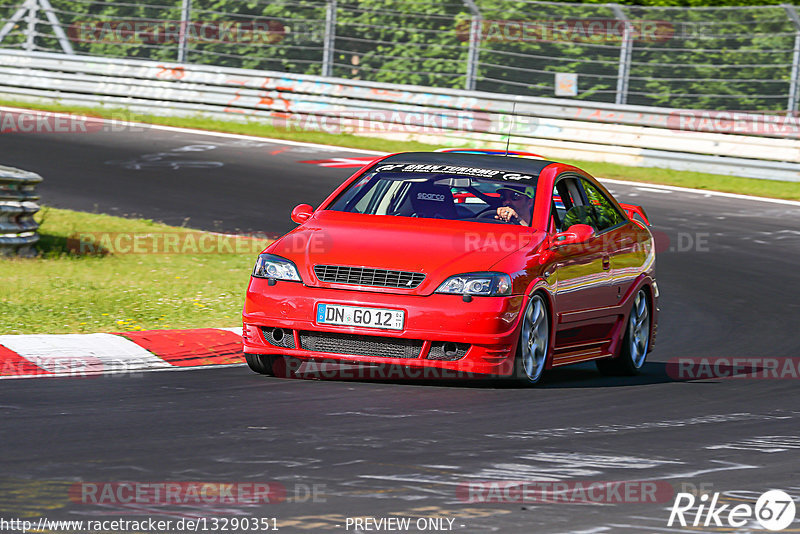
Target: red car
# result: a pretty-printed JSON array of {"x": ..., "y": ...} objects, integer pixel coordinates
[{"x": 479, "y": 264}]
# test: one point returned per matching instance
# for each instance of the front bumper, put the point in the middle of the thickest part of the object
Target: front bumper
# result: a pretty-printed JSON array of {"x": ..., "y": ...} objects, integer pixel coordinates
[{"x": 440, "y": 331}]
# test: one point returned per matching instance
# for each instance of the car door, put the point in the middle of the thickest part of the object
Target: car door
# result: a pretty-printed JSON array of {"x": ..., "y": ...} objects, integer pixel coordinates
[
  {"x": 583, "y": 293},
  {"x": 620, "y": 241}
]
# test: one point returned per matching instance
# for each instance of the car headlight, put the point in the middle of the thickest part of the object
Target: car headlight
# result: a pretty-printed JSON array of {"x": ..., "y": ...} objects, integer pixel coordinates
[
  {"x": 481, "y": 284},
  {"x": 276, "y": 268}
]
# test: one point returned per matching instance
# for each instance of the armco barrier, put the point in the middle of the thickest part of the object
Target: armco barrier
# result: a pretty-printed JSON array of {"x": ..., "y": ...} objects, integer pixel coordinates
[
  {"x": 560, "y": 129},
  {"x": 17, "y": 227}
]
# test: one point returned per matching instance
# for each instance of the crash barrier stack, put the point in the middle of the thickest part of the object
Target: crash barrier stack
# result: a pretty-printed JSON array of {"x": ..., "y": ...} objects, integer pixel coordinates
[
  {"x": 17, "y": 207},
  {"x": 738, "y": 145}
]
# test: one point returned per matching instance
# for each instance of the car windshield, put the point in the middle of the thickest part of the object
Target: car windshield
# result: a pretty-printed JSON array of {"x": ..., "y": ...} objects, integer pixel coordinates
[{"x": 439, "y": 195}]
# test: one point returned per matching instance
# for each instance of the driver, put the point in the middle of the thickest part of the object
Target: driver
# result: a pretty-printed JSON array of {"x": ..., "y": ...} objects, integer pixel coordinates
[{"x": 517, "y": 204}]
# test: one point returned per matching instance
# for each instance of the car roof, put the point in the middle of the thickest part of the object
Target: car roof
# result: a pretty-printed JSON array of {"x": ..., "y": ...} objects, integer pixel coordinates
[{"x": 498, "y": 162}]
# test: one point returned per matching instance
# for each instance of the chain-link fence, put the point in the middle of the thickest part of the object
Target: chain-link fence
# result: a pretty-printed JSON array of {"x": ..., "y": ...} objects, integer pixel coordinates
[{"x": 731, "y": 58}]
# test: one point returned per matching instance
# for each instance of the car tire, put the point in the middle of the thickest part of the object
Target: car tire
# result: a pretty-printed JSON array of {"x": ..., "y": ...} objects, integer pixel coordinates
[
  {"x": 534, "y": 342},
  {"x": 635, "y": 344},
  {"x": 260, "y": 363}
]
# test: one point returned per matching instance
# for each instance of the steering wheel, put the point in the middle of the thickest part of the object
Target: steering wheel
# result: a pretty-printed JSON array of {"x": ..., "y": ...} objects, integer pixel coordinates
[{"x": 487, "y": 213}]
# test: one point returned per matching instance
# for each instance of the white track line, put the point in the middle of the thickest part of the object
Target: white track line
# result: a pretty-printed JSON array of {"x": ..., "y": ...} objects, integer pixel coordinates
[
  {"x": 235, "y": 330},
  {"x": 83, "y": 354},
  {"x": 377, "y": 153},
  {"x": 704, "y": 192},
  {"x": 192, "y": 131}
]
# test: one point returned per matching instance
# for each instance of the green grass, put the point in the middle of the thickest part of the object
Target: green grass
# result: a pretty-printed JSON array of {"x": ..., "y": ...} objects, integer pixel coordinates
[
  {"x": 62, "y": 292},
  {"x": 697, "y": 180}
]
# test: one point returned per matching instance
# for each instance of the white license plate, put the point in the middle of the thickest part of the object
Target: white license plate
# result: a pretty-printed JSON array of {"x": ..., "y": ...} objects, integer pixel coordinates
[{"x": 358, "y": 316}]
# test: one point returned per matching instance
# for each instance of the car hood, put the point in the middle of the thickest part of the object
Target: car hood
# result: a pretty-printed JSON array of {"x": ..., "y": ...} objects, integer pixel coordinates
[{"x": 437, "y": 248}]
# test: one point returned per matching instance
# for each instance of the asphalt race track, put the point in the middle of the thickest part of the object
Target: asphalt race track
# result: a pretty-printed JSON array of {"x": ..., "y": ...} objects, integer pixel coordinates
[{"x": 728, "y": 275}]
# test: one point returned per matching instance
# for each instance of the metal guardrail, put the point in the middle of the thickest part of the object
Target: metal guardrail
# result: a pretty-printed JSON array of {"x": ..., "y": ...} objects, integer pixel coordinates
[
  {"x": 713, "y": 57},
  {"x": 17, "y": 207},
  {"x": 564, "y": 129}
]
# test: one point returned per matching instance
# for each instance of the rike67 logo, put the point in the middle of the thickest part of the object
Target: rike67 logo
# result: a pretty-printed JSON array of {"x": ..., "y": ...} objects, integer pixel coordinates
[{"x": 774, "y": 510}]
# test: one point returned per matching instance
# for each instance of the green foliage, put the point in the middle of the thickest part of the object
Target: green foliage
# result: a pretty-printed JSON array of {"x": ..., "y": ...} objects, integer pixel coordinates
[{"x": 701, "y": 58}]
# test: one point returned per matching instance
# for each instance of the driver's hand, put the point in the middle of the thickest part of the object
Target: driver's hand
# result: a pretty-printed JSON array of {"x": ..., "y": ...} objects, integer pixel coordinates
[{"x": 504, "y": 213}]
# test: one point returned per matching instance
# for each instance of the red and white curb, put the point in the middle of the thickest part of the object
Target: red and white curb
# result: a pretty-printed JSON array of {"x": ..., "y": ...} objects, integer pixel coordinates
[{"x": 83, "y": 355}]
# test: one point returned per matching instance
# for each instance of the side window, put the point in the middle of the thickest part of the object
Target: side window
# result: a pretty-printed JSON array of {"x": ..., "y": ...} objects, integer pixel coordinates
[
  {"x": 573, "y": 208},
  {"x": 557, "y": 210},
  {"x": 562, "y": 202},
  {"x": 603, "y": 211}
]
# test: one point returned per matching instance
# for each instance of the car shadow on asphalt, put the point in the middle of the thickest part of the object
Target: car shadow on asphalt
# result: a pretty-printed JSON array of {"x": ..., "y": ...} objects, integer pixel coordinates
[{"x": 584, "y": 375}]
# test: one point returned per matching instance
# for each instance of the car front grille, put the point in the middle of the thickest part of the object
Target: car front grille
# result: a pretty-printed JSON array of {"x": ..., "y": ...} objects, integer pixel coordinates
[
  {"x": 382, "y": 347},
  {"x": 364, "y": 276}
]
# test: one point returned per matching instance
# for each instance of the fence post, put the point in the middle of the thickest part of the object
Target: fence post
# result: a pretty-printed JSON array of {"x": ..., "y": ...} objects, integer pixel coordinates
[
  {"x": 15, "y": 18},
  {"x": 625, "y": 52},
  {"x": 30, "y": 36},
  {"x": 329, "y": 38},
  {"x": 186, "y": 15},
  {"x": 63, "y": 40},
  {"x": 791, "y": 106},
  {"x": 474, "y": 45}
]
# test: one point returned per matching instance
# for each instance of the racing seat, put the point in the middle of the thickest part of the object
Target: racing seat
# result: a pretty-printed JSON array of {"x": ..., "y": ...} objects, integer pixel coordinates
[{"x": 432, "y": 201}]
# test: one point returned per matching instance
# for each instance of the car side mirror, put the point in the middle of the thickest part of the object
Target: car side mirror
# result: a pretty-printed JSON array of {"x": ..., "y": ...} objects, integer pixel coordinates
[
  {"x": 302, "y": 213},
  {"x": 575, "y": 234}
]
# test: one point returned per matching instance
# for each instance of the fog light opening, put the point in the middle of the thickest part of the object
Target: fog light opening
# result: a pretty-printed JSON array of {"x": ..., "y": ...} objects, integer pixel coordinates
[{"x": 277, "y": 335}]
